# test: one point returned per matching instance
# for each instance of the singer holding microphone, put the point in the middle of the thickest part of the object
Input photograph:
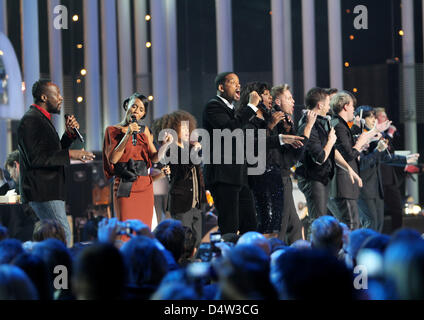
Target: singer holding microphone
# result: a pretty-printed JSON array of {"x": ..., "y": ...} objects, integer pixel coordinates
[
  {"x": 128, "y": 153},
  {"x": 320, "y": 158},
  {"x": 187, "y": 188},
  {"x": 43, "y": 156}
]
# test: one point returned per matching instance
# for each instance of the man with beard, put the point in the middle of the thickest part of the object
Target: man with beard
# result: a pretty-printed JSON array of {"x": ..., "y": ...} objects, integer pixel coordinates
[{"x": 43, "y": 156}]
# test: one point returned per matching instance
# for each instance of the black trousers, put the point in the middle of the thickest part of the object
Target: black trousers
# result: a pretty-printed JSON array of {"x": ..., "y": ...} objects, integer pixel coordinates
[
  {"x": 193, "y": 220},
  {"x": 346, "y": 212},
  {"x": 291, "y": 226},
  {"x": 393, "y": 205},
  {"x": 317, "y": 195},
  {"x": 371, "y": 213},
  {"x": 235, "y": 207}
]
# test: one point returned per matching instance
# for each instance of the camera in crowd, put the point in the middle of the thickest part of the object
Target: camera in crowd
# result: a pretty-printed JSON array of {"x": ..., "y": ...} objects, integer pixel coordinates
[
  {"x": 124, "y": 228},
  {"x": 209, "y": 250}
]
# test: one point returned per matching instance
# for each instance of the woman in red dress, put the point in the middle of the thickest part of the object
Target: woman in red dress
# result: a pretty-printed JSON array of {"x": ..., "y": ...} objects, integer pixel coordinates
[{"x": 128, "y": 160}]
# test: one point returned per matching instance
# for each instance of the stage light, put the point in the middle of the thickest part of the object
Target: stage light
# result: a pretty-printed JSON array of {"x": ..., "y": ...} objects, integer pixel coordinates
[
  {"x": 347, "y": 64},
  {"x": 148, "y": 44},
  {"x": 78, "y": 80},
  {"x": 148, "y": 17},
  {"x": 150, "y": 98},
  {"x": 352, "y": 37},
  {"x": 83, "y": 72},
  {"x": 23, "y": 87},
  {"x": 401, "y": 33},
  {"x": 80, "y": 99},
  {"x": 79, "y": 46},
  {"x": 75, "y": 18},
  {"x": 1, "y": 53},
  {"x": 355, "y": 90}
]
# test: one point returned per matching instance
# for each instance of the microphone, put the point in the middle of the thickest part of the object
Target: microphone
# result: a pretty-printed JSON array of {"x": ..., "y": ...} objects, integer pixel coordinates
[
  {"x": 329, "y": 122},
  {"x": 80, "y": 137},
  {"x": 362, "y": 125},
  {"x": 134, "y": 135}
]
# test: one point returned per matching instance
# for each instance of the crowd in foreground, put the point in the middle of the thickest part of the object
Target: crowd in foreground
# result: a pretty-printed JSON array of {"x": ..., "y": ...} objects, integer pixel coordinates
[{"x": 129, "y": 262}]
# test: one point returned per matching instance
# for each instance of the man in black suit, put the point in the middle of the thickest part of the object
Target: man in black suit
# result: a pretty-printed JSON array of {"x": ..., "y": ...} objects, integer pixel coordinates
[
  {"x": 228, "y": 183},
  {"x": 43, "y": 156},
  {"x": 320, "y": 158},
  {"x": 291, "y": 226},
  {"x": 344, "y": 194}
]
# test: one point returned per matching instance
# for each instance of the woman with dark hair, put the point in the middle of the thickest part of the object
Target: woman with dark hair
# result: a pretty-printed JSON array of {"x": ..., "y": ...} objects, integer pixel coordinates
[
  {"x": 187, "y": 188},
  {"x": 267, "y": 188},
  {"x": 128, "y": 152}
]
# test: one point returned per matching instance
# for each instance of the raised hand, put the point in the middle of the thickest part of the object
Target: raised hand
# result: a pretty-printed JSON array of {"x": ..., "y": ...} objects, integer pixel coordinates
[{"x": 254, "y": 98}]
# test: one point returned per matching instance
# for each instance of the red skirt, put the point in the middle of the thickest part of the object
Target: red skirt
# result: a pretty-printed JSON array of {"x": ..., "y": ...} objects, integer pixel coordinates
[{"x": 139, "y": 205}]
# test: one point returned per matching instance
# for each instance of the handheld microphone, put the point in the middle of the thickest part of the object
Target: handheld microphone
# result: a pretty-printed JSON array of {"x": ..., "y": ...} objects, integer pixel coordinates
[
  {"x": 134, "y": 135},
  {"x": 80, "y": 137},
  {"x": 329, "y": 122},
  {"x": 362, "y": 125}
]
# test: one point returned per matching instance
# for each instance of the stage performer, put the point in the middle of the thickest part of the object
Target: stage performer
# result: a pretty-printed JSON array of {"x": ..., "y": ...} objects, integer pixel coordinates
[
  {"x": 128, "y": 153},
  {"x": 43, "y": 156},
  {"x": 267, "y": 188}
]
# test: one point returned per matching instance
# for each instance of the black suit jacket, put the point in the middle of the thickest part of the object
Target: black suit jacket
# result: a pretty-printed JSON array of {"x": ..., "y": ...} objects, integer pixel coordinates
[
  {"x": 180, "y": 197},
  {"x": 42, "y": 157},
  {"x": 313, "y": 165},
  {"x": 217, "y": 115},
  {"x": 342, "y": 186}
]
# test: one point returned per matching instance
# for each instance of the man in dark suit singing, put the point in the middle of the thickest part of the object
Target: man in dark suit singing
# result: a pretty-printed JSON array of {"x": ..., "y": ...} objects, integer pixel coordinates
[
  {"x": 43, "y": 156},
  {"x": 228, "y": 182}
]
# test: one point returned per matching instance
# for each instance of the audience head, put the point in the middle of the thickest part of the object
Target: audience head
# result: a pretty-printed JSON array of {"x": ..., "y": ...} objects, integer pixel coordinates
[
  {"x": 9, "y": 250},
  {"x": 405, "y": 234},
  {"x": 404, "y": 269},
  {"x": 15, "y": 284},
  {"x": 378, "y": 243},
  {"x": 48, "y": 229},
  {"x": 255, "y": 239},
  {"x": 54, "y": 253},
  {"x": 356, "y": 240},
  {"x": 301, "y": 245},
  {"x": 99, "y": 273},
  {"x": 327, "y": 234},
  {"x": 36, "y": 270},
  {"x": 145, "y": 263},
  {"x": 245, "y": 261},
  {"x": 171, "y": 234},
  {"x": 312, "y": 275},
  {"x": 276, "y": 244}
]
